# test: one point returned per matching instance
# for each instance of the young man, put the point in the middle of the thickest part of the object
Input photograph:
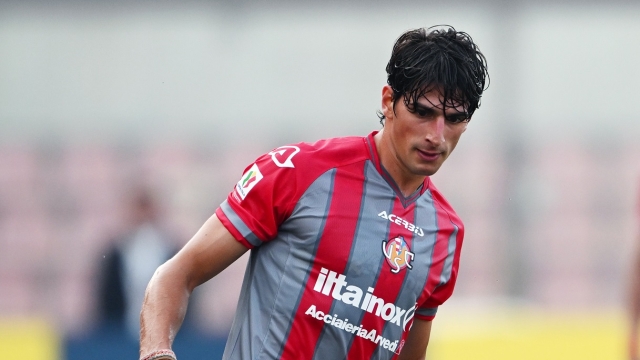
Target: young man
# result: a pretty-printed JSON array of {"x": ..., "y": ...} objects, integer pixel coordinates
[{"x": 352, "y": 246}]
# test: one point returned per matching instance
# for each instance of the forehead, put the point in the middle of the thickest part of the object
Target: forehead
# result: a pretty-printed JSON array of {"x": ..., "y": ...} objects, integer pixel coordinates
[{"x": 435, "y": 99}]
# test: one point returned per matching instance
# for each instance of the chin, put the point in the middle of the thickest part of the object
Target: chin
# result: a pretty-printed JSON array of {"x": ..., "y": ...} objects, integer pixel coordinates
[{"x": 426, "y": 172}]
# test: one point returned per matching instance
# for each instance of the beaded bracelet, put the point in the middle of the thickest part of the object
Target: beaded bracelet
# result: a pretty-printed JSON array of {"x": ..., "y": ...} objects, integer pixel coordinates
[{"x": 160, "y": 354}]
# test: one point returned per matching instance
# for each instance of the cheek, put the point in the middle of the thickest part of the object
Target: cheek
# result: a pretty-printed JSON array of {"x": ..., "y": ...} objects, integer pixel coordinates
[
  {"x": 403, "y": 131},
  {"x": 453, "y": 136}
]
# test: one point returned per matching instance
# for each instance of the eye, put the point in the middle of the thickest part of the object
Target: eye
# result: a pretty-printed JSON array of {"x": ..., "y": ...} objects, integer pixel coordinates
[
  {"x": 423, "y": 111},
  {"x": 458, "y": 118}
]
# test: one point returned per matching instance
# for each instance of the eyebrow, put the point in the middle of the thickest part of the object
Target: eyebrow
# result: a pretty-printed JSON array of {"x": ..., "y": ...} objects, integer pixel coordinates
[
  {"x": 424, "y": 107},
  {"x": 432, "y": 108},
  {"x": 457, "y": 115}
]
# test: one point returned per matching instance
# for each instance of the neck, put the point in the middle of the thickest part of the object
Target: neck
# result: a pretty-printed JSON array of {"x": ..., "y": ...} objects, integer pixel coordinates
[{"x": 406, "y": 181}]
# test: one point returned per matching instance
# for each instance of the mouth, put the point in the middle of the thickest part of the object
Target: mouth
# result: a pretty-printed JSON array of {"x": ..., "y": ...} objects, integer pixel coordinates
[{"x": 428, "y": 155}]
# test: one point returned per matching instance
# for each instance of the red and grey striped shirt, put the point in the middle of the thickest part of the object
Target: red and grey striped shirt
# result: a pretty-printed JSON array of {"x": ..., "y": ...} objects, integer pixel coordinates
[{"x": 341, "y": 262}]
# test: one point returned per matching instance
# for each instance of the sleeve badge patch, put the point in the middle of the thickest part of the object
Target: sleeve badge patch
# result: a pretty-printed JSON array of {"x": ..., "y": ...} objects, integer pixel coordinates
[{"x": 249, "y": 179}]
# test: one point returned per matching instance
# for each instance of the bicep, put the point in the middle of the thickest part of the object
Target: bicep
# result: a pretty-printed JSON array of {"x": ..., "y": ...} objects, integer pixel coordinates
[
  {"x": 416, "y": 346},
  {"x": 210, "y": 250}
]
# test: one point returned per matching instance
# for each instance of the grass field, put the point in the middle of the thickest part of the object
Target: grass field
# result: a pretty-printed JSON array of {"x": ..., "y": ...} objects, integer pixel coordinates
[{"x": 528, "y": 334}]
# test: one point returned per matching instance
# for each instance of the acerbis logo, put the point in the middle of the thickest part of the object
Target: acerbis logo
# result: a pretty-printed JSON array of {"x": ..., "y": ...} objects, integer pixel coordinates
[
  {"x": 249, "y": 179},
  {"x": 282, "y": 156},
  {"x": 402, "y": 222},
  {"x": 398, "y": 254}
]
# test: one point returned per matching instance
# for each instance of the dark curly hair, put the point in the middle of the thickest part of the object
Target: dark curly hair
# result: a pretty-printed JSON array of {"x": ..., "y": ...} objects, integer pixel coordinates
[{"x": 437, "y": 58}]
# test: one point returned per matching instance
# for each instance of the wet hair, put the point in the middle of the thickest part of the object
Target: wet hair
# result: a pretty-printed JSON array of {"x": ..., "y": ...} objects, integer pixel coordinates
[{"x": 439, "y": 58}]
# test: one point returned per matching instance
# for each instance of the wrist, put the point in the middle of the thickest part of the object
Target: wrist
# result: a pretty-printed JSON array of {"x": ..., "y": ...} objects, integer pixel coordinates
[{"x": 165, "y": 354}]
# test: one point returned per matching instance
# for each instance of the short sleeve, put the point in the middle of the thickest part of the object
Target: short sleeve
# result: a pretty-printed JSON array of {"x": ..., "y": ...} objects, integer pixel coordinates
[
  {"x": 262, "y": 199},
  {"x": 427, "y": 310},
  {"x": 447, "y": 276}
]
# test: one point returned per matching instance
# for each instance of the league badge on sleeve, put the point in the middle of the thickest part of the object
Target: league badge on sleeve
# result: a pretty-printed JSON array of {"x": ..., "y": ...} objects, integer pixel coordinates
[{"x": 249, "y": 179}]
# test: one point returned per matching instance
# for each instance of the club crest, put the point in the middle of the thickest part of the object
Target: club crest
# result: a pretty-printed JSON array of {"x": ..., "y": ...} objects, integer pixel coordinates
[{"x": 398, "y": 254}]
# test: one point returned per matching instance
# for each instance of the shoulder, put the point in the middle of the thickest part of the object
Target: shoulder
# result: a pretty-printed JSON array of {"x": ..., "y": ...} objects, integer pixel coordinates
[
  {"x": 443, "y": 205},
  {"x": 272, "y": 185},
  {"x": 290, "y": 169},
  {"x": 326, "y": 153},
  {"x": 310, "y": 160}
]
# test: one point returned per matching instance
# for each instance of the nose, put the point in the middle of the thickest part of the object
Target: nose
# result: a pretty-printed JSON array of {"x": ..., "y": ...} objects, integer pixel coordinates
[{"x": 435, "y": 130}]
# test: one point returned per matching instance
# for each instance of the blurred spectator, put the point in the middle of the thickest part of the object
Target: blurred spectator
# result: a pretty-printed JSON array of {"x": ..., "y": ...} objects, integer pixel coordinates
[{"x": 130, "y": 261}]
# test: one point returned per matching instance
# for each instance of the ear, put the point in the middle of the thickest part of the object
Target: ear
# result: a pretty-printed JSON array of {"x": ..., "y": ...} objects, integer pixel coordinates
[{"x": 387, "y": 102}]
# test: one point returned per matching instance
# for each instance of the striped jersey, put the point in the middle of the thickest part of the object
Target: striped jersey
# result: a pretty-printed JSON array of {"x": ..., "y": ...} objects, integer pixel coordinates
[{"x": 341, "y": 262}]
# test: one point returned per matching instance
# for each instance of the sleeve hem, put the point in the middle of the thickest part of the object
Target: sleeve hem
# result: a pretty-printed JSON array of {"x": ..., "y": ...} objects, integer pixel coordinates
[
  {"x": 425, "y": 317},
  {"x": 232, "y": 230}
]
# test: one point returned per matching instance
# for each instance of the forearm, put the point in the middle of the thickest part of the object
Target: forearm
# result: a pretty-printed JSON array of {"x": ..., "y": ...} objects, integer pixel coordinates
[
  {"x": 163, "y": 309},
  {"x": 634, "y": 291},
  {"x": 210, "y": 251},
  {"x": 634, "y": 306},
  {"x": 416, "y": 346}
]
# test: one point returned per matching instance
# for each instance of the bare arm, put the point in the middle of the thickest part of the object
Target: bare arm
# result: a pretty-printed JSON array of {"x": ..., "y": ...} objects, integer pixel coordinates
[
  {"x": 416, "y": 346},
  {"x": 209, "y": 252}
]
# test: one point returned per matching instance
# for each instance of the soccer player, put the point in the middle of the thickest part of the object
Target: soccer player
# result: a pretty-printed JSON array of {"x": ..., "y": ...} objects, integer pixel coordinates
[{"x": 352, "y": 246}]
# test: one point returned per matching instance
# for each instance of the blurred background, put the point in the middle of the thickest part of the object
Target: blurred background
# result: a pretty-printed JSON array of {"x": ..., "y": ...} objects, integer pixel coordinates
[{"x": 124, "y": 124}]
